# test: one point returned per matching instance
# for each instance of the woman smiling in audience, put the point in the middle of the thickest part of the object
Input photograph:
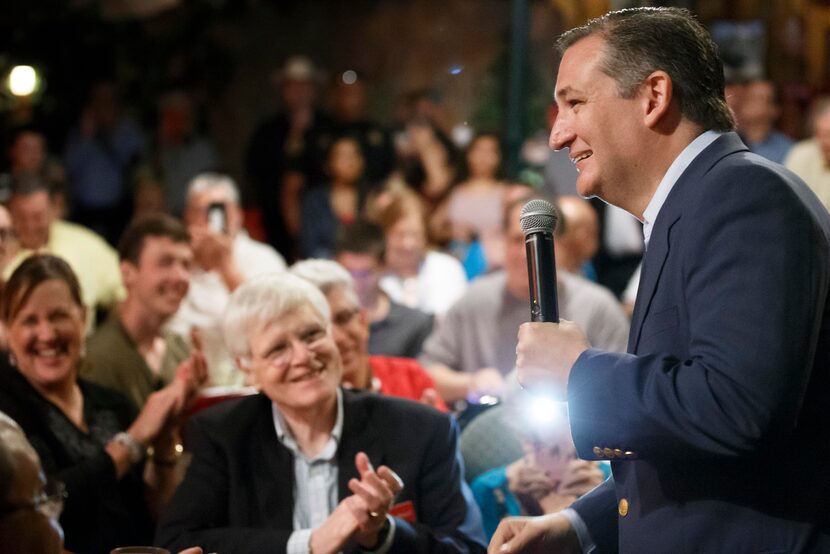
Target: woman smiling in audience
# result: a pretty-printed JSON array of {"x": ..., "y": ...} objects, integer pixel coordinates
[{"x": 87, "y": 436}]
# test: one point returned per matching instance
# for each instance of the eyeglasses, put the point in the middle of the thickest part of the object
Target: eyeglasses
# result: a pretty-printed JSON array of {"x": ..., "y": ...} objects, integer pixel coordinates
[
  {"x": 48, "y": 503},
  {"x": 281, "y": 354}
]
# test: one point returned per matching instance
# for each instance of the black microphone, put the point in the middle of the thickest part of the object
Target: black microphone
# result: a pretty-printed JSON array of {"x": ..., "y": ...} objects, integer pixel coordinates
[{"x": 538, "y": 220}]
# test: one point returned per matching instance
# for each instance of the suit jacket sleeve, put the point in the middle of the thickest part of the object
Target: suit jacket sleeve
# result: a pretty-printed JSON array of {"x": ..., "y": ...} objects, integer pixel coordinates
[
  {"x": 198, "y": 513},
  {"x": 598, "y": 510},
  {"x": 448, "y": 519},
  {"x": 726, "y": 347}
]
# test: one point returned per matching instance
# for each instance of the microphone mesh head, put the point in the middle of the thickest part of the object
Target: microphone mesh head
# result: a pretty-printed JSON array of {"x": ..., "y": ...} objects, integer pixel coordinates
[{"x": 538, "y": 215}]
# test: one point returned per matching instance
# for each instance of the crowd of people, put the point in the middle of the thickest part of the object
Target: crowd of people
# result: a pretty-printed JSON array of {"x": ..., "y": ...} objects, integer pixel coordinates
[{"x": 360, "y": 329}]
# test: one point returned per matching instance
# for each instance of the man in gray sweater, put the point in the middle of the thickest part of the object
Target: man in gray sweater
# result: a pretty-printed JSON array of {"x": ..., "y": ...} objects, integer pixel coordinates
[{"x": 474, "y": 346}]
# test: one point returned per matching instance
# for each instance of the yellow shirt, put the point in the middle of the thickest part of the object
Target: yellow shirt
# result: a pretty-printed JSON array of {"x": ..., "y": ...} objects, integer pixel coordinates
[
  {"x": 807, "y": 161},
  {"x": 94, "y": 262}
]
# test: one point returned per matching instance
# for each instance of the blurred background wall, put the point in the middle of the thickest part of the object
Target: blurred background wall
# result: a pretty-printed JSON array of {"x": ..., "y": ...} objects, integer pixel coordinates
[{"x": 225, "y": 52}]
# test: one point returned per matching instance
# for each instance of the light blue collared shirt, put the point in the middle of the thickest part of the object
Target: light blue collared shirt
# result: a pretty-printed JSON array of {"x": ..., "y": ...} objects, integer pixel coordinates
[
  {"x": 315, "y": 479},
  {"x": 676, "y": 169},
  {"x": 315, "y": 483}
]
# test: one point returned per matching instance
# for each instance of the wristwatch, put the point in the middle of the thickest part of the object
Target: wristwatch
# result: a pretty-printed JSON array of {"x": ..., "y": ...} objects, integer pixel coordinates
[{"x": 135, "y": 452}]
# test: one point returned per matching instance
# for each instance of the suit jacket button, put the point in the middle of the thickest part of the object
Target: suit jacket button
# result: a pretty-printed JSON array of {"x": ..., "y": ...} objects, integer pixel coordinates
[
  {"x": 622, "y": 507},
  {"x": 597, "y": 451},
  {"x": 608, "y": 452}
]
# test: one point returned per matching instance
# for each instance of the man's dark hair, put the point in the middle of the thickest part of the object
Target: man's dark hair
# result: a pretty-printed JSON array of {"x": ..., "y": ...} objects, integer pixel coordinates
[
  {"x": 361, "y": 237},
  {"x": 29, "y": 183},
  {"x": 152, "y": 225},
  {"x": 640, "y": 41},
  {"x": 27, "y": 128}
]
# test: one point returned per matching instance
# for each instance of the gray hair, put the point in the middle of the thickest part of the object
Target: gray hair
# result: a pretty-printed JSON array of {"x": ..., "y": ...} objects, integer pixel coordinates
[
  {"x": 640, "y": 41},
  {"x": 264, "y": 299},
  {"x": 326, "y": 275},
  {"x": 207, "y": 181}
]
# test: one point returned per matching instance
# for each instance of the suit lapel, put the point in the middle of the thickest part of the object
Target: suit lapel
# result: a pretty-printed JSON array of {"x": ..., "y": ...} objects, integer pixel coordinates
[
  {"x": 653, "y": 262},
  {"x": 672, "y": 210},
  {"x": 359, "y": 435},
  {"x": 276, "y": 483}
]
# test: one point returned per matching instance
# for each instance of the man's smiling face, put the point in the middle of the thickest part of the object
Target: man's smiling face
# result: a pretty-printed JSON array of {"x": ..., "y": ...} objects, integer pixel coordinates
[{"x": 598, "y": 125}]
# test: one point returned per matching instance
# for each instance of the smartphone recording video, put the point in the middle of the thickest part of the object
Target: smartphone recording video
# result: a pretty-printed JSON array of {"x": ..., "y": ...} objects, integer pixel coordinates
[{"x": 217, "y": 218}]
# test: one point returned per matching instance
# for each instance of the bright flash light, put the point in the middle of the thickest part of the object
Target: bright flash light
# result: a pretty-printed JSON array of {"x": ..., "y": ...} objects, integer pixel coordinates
[
  {"x": 489, "y": 400},
  {"x": 23, "y": 80},
  {"x": 544, "y": 411}
]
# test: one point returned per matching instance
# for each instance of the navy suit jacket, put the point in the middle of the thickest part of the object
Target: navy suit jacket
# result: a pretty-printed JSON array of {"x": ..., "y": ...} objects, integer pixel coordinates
[
  {"x": 716, "y": 421},
  {"x": 237, "y": 495}
]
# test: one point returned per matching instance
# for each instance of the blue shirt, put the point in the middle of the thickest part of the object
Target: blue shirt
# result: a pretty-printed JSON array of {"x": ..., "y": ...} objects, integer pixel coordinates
[{"x": 774, "y": 148}]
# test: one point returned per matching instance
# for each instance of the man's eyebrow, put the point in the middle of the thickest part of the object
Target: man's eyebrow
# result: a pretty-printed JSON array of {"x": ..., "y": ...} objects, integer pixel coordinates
[{"x": 566, "y": 90}]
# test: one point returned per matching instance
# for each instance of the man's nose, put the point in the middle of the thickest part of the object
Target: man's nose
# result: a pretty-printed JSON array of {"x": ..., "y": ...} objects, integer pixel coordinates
[
  {"x": 300, "y": 352},
  {"x": 182, "y": 272},
  {"x": 561, "y": 135},
  {"x": 409, "y": 241}
]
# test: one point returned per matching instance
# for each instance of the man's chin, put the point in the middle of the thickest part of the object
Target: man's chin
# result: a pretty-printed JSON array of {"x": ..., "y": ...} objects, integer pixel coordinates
[
  {"x": 587, "y": 190},
  {"x": 354, "y": 376}
]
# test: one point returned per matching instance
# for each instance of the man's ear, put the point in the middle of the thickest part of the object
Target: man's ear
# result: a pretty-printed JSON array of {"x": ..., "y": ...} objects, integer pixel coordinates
[
  {"x": 128, "y": 271},
  {"x": 657, "y": 94}
]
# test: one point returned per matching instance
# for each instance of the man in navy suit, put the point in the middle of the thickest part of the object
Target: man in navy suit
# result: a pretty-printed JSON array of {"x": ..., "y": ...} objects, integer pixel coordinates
[
  {"x": 714, "y": 421},
  {"x": 291, "y": 469}
]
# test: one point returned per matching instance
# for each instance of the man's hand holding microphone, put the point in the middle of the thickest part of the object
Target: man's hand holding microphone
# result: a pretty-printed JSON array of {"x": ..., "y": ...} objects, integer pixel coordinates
[{"x": 547, "y": 349}]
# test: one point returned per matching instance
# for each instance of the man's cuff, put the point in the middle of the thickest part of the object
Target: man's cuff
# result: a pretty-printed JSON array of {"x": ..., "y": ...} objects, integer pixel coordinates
[
  {"x": 298, "y": 542},
  {"x": 585, "y": 540},
  {"x": 387, "y": 541}
]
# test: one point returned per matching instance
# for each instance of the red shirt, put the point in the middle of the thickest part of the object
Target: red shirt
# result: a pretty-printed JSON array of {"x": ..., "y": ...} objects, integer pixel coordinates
[{"x": 403, "y": 377}]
